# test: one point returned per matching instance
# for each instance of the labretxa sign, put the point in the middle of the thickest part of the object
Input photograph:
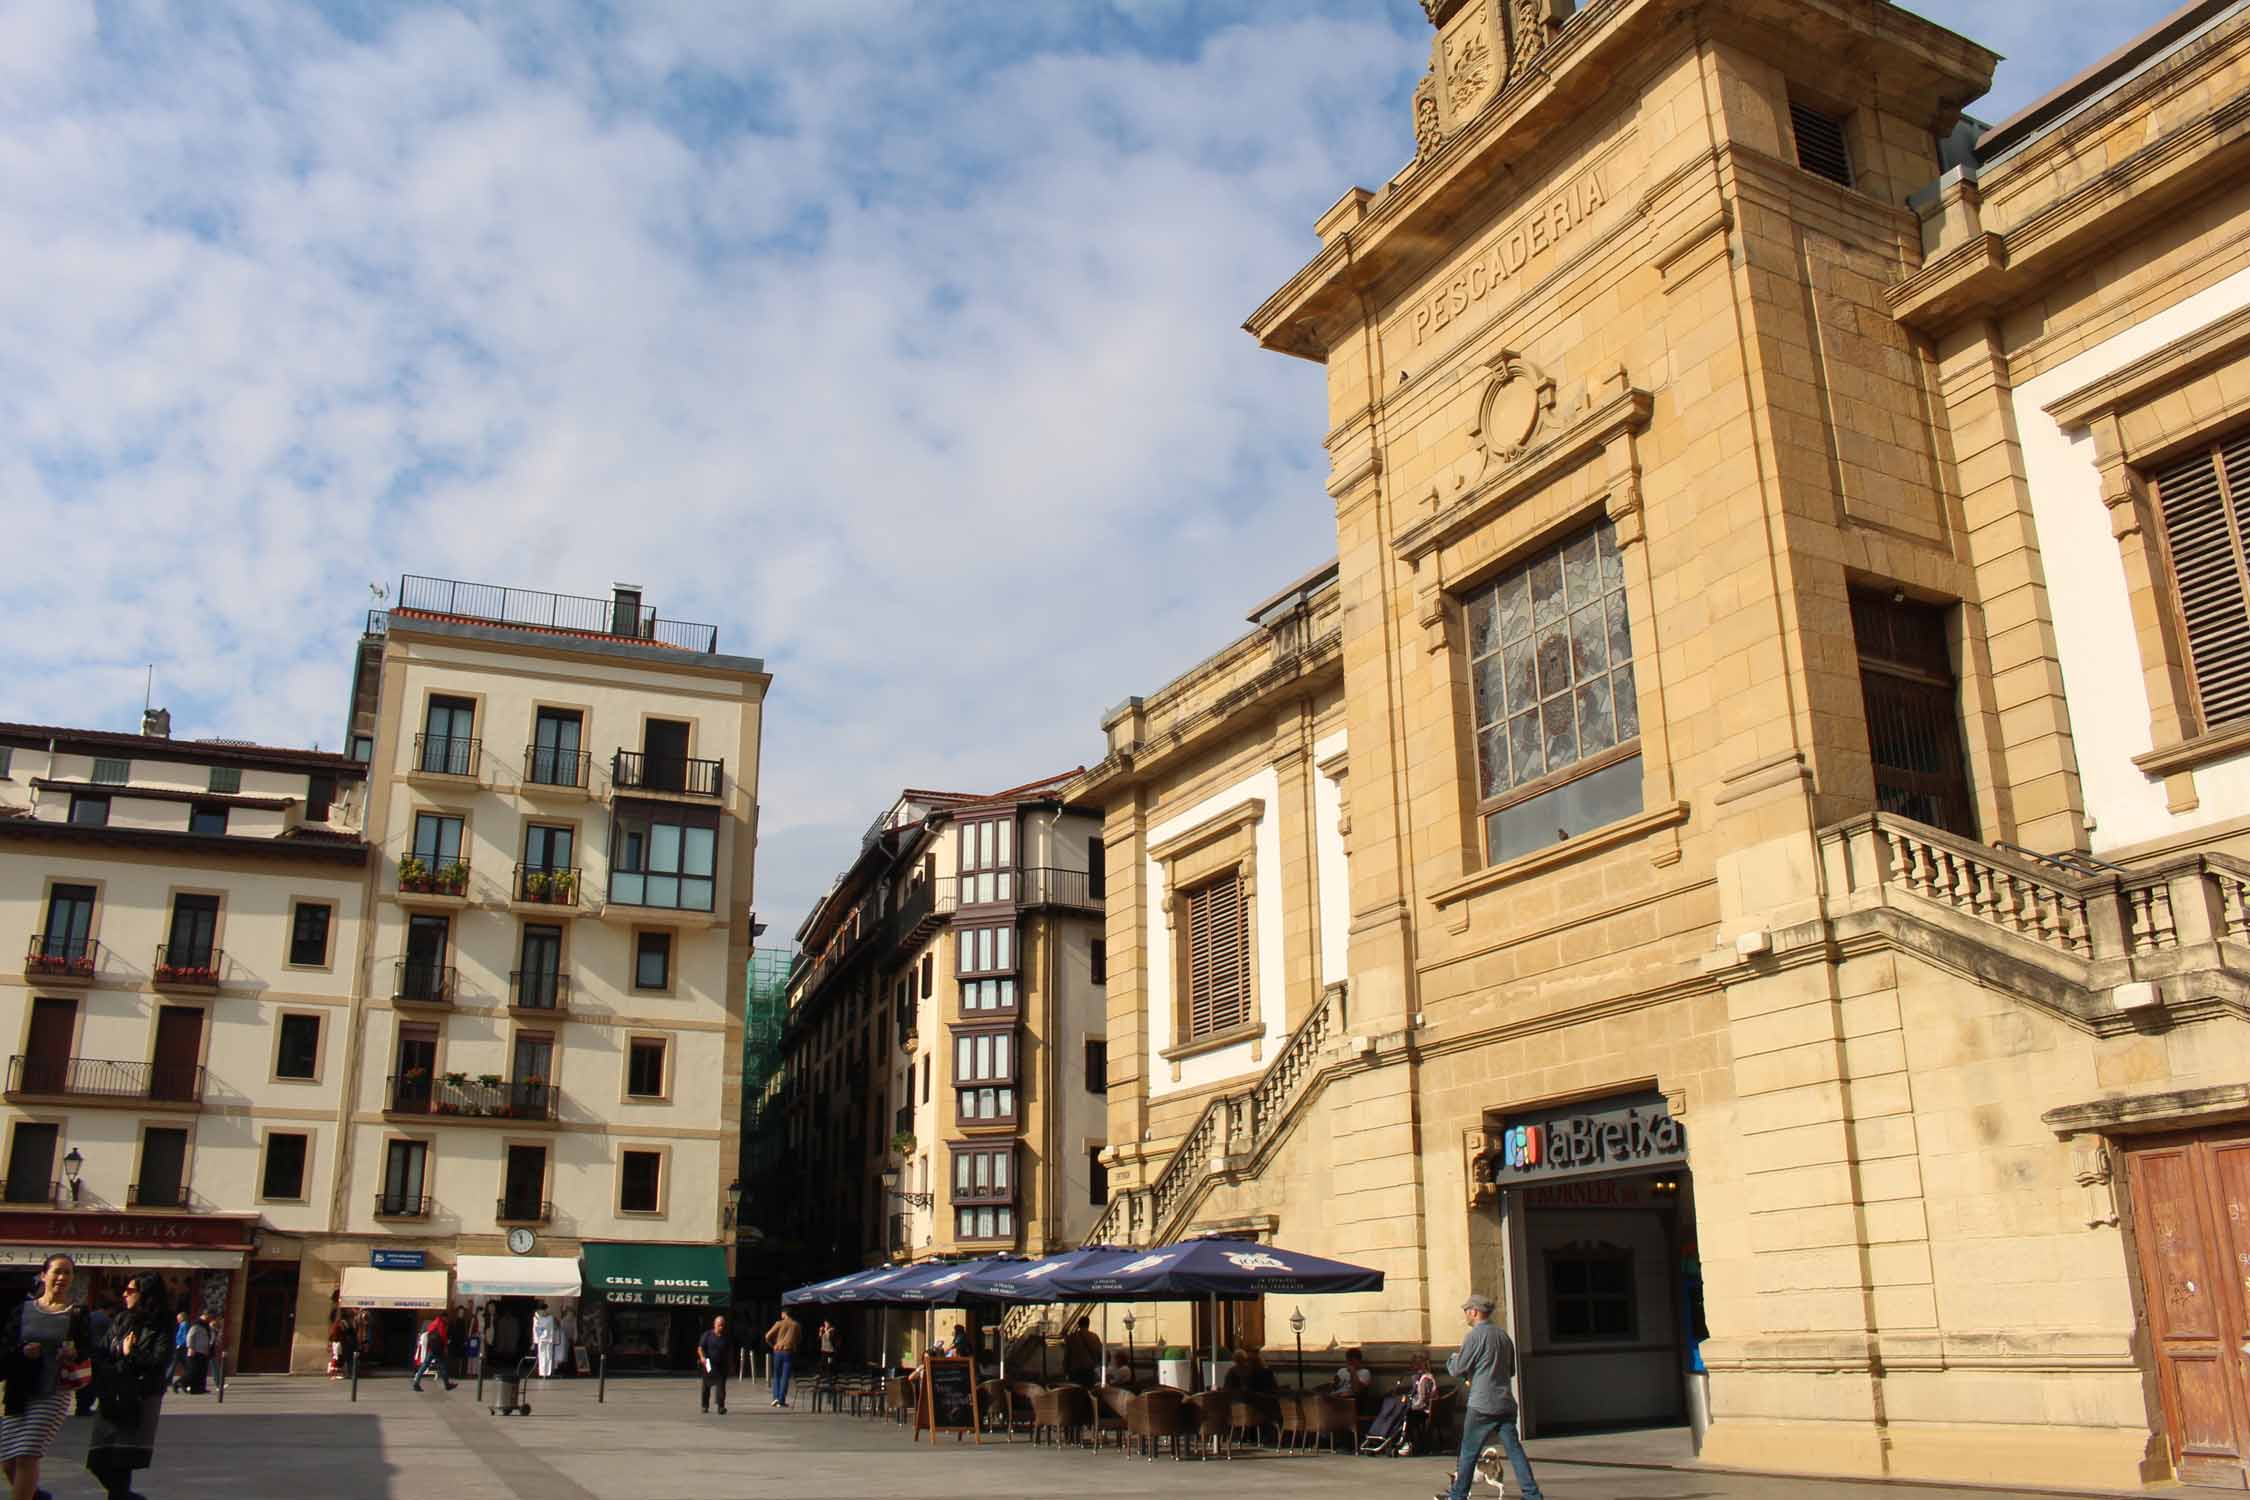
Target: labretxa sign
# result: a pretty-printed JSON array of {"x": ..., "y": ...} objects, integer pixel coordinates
[{"x": 1584, "y": 1141}]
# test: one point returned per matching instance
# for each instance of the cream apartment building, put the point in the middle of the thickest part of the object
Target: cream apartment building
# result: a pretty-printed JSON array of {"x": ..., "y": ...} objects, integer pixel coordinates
[
  {"x": 545, "y": 1069},
  {"x": 188, "y": 918},
  {"x": 1784, "y": 732},
  {"x": 945, "y": 1058}
]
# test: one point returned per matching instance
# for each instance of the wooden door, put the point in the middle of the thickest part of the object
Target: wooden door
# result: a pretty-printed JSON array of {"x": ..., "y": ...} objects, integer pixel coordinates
[
  {"x": 664, "y": 744},
  {"x": 2189, "y": 1199},
  {"x": 46, "y": 1063},
  {"x": 179, "y": 1053},
  {"x": 269, "y": 1319}
]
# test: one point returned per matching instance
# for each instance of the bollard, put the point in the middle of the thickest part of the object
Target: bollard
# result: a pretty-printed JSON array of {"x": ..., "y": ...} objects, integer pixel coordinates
[
  {"x": 221, "y": 1361},
  {"x": 480, "y": 1380},
  {"x": 355, "y": 1374},
  {"x": 601, "y": 1392}
]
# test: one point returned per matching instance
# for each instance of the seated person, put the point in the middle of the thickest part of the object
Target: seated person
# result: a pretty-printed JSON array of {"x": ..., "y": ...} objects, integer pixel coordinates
[
  {"x": 1353, "y": 1378},
  {"x": 1120, "y": 1372},
  {"x": 1238, "y": 1373},
  {"x": 1413, "y": 1396}
]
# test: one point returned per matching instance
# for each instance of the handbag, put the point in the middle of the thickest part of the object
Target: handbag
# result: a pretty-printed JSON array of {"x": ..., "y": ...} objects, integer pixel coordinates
[{"x": 74, "y": 1374}]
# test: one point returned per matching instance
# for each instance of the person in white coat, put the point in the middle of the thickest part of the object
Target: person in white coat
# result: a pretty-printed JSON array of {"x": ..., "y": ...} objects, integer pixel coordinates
[{"x": 546, "y": 1339}]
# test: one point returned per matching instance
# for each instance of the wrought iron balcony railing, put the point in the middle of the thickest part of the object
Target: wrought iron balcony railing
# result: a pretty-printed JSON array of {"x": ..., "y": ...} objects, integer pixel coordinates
[
  {"x": 25, "y": 1190},
  {"x": 432, "y": 875},
  {"x": 448, "y": 755},
  {"x": 51, "y": 956},
  {"x": 523, "y": 1211},
  {"x": 550, "y": 765},
  {"x": 638, "y": 771},
  {"x": 548, "y": 885},
  {"x": 485, "y": 1098},
  {"x": 157, "y": 1195},
  {"x": 189, "y": 966},
  {"x": 538, "y": 989},
  {"x": 402, "y": 1206},
  {"x": 101, "y": 1078},
  {"x": 420, "y": 983}
]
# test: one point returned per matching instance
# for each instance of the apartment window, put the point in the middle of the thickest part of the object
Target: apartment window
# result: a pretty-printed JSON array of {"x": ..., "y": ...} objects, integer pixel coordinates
[
  {"x": 984, "y": 1223},
  {"x": 298, "y": 1052},
  {"x": 320, "y": 796},
  {"x": 1590, "y": 1293},
  {"x": 1218, "y": 957},
  {"x": 1820, "y": 143},
  {"x": 1097, "y": 1178},
  {"x": 113, "y": 772},
  {"x": 539, "y": 968},
  {"x": 666, "y": 858},
  {"x": 405, "y": 1172},
  {"x": 644, "y": 1068},
  {"x": 308, "y": 934},
  {"x": 988, "y": 860},
  {"x": 929, "y": 975},
  {"x": 437, "y": 839},
  {"x": 1097, "y": 961},
  {"x": 639, "y": 1181},
  {"x": 556, "y": 758},
  {"x": 652, "y": 961},
  {"x": 70, "y": 924},
  {"x": 285, "y": 1165},
  {"x": 523, "y": 1184},
  {"x": 195, "y": 932},
  {"x": 1557, "y": 723},
  {"x": 985, "y": 960},
  {"x": 31, "y": 1163},
  {"x": 1097, "y": 1065},
  {"x": 448, "y": 743},
  {"x": 163, "y": 1170},
  {"x": 2205, "y": 499},
  {"x": 927, "y": 1058},
  {"x": 984, "y": 1075},
  {"x": 423, "y": 975},
  {"x": 226, "y": 779},
  {"x": 984, "y": 1174},
  {"x": 207, "y": 817},
  {"x": 93, "y": 812},
  {"x": 1097, "y": 868}
]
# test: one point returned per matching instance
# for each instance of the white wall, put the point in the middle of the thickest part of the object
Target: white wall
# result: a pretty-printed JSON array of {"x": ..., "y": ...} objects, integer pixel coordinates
[{"x": 2094, "y": 633}]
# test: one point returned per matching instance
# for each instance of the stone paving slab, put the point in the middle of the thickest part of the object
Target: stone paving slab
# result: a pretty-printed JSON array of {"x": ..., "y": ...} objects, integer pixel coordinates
[{"x": 298, "y": 1439}]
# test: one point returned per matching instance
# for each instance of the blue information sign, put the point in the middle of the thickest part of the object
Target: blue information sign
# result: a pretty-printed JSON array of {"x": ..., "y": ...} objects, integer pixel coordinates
[{"x": 399, "y": 1260}]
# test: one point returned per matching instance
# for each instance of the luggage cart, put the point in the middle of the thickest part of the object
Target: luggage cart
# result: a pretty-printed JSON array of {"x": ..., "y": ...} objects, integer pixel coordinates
[{"x": 510, "y": 1396}]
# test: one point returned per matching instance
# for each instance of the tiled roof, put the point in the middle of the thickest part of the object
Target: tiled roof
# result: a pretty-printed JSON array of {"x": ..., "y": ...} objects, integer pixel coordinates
[{"x": 161, "y": 747}]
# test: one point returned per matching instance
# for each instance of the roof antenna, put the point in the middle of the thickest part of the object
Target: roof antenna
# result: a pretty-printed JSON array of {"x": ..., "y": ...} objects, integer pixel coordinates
[{"x": 148, "y": 694}]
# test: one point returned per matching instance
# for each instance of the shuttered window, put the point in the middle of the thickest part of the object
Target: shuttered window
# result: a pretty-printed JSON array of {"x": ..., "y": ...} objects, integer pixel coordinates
[
  {"x": 1820, "y": 144},
  {"x": 2205, "y": 499},
  {"x": 1218, "y": 925}
]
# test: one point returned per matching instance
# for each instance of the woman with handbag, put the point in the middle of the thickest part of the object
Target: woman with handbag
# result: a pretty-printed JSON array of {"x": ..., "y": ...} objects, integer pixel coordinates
[
  {"x": 43, "y": 1344},
  {"x": 131, "y": 1364}
]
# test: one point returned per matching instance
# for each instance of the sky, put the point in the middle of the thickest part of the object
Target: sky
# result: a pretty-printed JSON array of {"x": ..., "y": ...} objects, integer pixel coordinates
[{"x": 899, "y": 340}]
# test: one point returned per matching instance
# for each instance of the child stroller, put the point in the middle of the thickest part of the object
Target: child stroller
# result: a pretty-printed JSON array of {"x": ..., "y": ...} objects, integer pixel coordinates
[{"x": 1387, "y": 1433}]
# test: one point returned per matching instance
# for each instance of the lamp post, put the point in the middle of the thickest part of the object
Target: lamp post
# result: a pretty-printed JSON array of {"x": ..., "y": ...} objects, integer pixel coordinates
[
  {"x": 734, "y": 1201},
  {"x": 72, "y": 1165},
  {"x": 890, "y": 1188},
  {"x": 1128, "y": 1346},
  {"x": 1297, "y": 1327}
]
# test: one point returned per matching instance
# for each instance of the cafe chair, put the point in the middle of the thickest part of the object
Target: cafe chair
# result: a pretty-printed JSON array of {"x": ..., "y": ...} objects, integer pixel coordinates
[
  {"x": 1158, "y": 1416},
  {"x": 898, "y": 1399},
  {"x": 1253, "y": 1412},
  {"x": 1211, "y": 1420},
  {"x": 1063, "y": 1413},
  {"x": 1110, "y": 1402},
  {"x": 1333, "y": 1419}
]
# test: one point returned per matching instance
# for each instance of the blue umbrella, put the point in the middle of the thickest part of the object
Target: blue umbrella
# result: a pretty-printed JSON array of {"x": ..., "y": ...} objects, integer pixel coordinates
[
  {"x": 946, "y": 1283},
  {"x": 1009, "y": 1279},
  {"x": 1209, "y": 1268}
]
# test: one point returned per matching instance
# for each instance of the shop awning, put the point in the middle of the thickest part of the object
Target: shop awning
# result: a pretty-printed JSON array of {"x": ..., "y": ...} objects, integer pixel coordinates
[
  {"x": 419, "y": 1291},
  {"x": 659, "y": 1275},
  {"x": 516, "y": 1276}
]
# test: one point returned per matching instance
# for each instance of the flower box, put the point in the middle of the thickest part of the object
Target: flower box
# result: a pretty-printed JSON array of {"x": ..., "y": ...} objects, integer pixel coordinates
[
  {"x": 45, "y": 963},
  {"x": 186, "y": 974}
]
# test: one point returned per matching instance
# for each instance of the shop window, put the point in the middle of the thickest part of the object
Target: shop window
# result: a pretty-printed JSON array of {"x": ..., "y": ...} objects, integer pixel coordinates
[
  {"x": 285, "y": 1166},
  {"x": 1590, "y": 1294},
  {"x": 1551, "y": 675},
  {"x": 2204, "y": 496},
  {"x": 1218, "y": 957}
]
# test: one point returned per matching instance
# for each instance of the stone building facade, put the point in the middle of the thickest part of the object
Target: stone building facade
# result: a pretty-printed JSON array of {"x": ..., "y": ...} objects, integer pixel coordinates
[{"x": 1782, "y": 934}]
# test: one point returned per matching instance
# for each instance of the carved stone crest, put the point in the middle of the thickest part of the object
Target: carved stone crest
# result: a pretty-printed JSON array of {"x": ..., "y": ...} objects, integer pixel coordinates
[
  {"x": 1518, "y": 402},
  {"x": 1469, "y": 69},
  {"x": 1429, "y": 133}
]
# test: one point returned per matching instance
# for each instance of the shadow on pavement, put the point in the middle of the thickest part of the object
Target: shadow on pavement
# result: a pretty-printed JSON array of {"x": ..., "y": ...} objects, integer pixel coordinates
[{"x": 243, "y": 1451}]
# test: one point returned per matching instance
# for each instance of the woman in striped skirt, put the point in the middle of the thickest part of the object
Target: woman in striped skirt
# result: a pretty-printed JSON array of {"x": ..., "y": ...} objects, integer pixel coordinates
[{"x": 38, "y": 1337}]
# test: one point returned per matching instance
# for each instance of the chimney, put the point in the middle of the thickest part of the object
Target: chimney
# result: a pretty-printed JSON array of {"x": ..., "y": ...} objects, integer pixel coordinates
[{"x": 156, "y": 723}]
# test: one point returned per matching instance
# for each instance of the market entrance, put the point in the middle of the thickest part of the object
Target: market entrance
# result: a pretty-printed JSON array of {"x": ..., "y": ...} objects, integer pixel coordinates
[
  {"x": 2191, "y": 1227},
  {"x": 1605, "y": 1293}
]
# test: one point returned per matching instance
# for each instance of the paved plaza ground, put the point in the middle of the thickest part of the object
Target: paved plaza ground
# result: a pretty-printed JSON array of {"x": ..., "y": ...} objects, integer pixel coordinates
[{"x": 304, "y": 1440}]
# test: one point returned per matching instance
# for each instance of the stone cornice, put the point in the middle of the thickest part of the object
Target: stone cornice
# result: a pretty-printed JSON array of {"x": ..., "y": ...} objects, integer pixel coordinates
[
  {"x": 1210, "y": 830},
  {"x": 1624, "y": 413},
  {"x": 2152, "y": 372}
]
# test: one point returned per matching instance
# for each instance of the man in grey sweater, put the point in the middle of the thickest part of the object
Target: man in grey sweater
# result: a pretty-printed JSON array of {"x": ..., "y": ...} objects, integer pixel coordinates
[{"x": 1487, "y": 1361}]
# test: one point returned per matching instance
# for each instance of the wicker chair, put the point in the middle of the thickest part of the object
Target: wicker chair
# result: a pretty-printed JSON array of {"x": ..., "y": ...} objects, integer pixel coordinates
[
  {"x": 898, "y": 1399},
  {"x": 1210, "y": 1417},
  {"x": 1063, "y": 1413},
  {"x": 1295, "y": 1408},
  {"x": 1254, "y": 1412},
  {"x": 1110, "y": 1403},
  {"x": 1332, "y": 1417},
  {"x": 1158, "y": 1416}
]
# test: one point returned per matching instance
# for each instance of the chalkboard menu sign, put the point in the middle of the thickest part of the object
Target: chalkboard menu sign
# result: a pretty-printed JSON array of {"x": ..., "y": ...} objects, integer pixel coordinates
[{"x": 949, "y": 1398}]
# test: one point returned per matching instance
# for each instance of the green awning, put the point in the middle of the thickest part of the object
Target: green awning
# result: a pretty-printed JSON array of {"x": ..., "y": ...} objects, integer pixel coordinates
[{"x": 658, "y": 1275}]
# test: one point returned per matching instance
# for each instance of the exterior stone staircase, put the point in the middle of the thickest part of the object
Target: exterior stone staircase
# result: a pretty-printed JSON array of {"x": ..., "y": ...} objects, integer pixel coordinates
[{"x": 2098, "y": 946}]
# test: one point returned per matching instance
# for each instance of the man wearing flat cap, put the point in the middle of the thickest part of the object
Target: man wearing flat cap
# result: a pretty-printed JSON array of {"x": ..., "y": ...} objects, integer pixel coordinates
[{"x": 1487, "y": 1361}]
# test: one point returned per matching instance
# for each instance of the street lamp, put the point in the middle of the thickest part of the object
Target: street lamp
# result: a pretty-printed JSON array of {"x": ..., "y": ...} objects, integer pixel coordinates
[
  {"x": 72, "y": 1165},
  {"x": 1128, "y": 1347},
  {"x": 1297, "y": 1327},
  {"x": 734, "y": 1201},
  {"x": 912, "y": 1200}
]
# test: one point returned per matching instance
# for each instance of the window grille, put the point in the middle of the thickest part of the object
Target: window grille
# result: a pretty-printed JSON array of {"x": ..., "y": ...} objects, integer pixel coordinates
[{"x": 1820, "y": 144}]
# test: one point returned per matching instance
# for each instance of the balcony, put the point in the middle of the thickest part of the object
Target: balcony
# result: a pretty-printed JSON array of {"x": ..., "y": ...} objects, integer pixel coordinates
[
  {"x": 523, "y": 1211},
  {"x": 188, "y": 966},
  {"x": 547, "y": 885},
  {"x": 94, "y": 1080},
  {"x": 453, "y": 756},
  {"x": 24, "y": 1190},
  {"x": 459, "y": 1097},
  {"x": 424, "y": 880},
  {"x": 53, "y": 959},
  {"x": 172, "y": 1195},
  {"x": 539, "y": 990},
  {"x": 1042, "y": 885},
  {"x": 548, "y": 768},
  {"x": 671, "y": 775},
  {"x": 621, "y": 616},
  {"x": 402, "y": 1206},
  {"x": 419, "y": 983}
]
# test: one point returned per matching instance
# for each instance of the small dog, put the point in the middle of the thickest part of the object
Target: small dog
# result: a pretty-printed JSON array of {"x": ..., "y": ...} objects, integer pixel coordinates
[{"x": 1491, "y": 1468}]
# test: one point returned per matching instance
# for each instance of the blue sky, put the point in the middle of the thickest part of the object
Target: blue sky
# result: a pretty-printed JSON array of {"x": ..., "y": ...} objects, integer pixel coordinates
[{"x": 901, "y": 340}]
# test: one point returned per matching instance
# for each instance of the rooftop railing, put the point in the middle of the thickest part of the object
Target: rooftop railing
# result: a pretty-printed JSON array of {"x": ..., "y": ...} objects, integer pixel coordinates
[{"x": 537, "y": 609}]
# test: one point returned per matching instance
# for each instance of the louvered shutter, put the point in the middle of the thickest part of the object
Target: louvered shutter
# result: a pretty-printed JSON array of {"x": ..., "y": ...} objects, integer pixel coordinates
[
  {"x": 1820, "y": 144},
  {"x": 1218, "y": 958},
  {"x": 2203, "y": 496}
]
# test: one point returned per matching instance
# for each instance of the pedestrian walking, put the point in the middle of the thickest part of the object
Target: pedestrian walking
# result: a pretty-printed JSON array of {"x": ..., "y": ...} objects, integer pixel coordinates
[
  {"x": 546, "y": 1335},
  {"x": 198, "y": 1355},
  {"x": 43, "y": 1344},
  {"x": 1487, "y": 1361},
  {"x": 343, "y": 1346},
  {"x": 130, "y": 1364},
  {"x": 715, "y": 1351},
  {"x": 1082, "y": 1353},
  {"x": 430, "y": 1359},
  {"x": 97, "y": 1325},
  {"x": 782, "y": 1340}
]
